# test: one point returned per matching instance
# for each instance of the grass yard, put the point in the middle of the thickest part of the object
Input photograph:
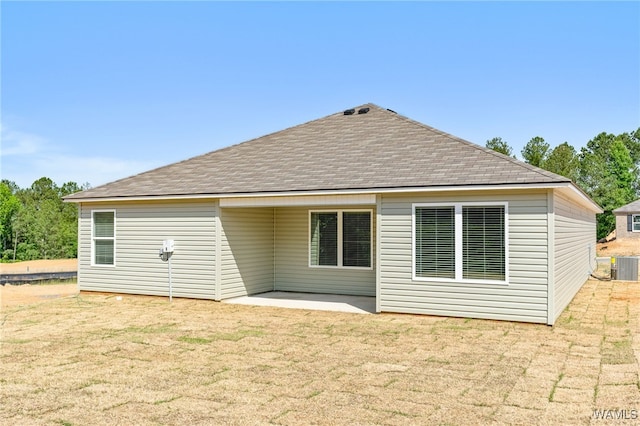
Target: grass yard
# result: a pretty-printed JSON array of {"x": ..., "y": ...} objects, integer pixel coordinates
[{"x": 101, "y": 359}]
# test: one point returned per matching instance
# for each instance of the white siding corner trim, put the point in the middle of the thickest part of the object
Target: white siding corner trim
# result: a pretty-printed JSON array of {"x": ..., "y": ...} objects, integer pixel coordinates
[
  {"x": 551, "y": 258},
  {"x": 378, "y": 257},
  {"x": 218, "y": 255}
]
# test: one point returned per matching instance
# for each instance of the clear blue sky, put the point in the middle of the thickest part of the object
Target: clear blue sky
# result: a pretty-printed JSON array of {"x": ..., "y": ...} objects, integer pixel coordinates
[{"x": 97, "y": 91}]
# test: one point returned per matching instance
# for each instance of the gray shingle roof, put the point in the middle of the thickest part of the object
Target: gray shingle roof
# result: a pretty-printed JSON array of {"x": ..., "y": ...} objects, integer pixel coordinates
[
  {"x": 379, "y": 149},
  {"x": 633, "y": 207}
]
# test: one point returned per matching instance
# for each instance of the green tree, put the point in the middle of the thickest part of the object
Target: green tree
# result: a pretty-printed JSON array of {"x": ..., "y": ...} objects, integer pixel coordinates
[
  {"x": 563, "y": 160},
  {"x": 9, "y": 206},
  {"x": 44, "y": 227},
  {"x": 11, "y": 184},
  {"x": 608, "y": 172},
  {"x": 68, "y": 224},
  {"x": 498, "y": 145},
  {"x": 535, "y": 151},
  {"x": 20, "y": 237},
  {"x": 624, "y": 173}
]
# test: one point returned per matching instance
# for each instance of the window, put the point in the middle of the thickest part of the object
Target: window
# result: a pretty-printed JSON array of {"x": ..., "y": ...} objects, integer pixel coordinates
[
  {"x": 103, "y": 236},
  {"x": 483, "y": 243},
  {"x": 340, "y": 239},
  {"x": 636, "y": 223},
  {"x": 460, "y": 242},
  {"x": 356, "y": 239},
  {"x": 324, "y": 239},
  {"x": 435, "y": 242}
]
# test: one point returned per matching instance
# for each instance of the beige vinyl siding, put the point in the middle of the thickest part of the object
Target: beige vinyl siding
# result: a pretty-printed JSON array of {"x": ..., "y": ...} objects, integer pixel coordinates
[
  {"x": 246, "y": 251},
  {"x": 140, "y": 228},
  {"x": 292, "y": 270},
  {"x": 523, "y": 298},
  {"x": 575, "y": 237}
]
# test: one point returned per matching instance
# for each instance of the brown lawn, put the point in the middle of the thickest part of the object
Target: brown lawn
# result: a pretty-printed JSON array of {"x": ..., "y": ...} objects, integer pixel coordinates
[
  {"x": 26, "y": 294},
  {"x": 102, "y": 359}
]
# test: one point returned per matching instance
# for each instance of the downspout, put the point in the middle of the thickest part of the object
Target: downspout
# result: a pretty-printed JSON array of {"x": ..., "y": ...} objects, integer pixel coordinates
[
  {"x": 551, "y": 263},
  {"x": 378, "y": 244},
  {"x": 274, "y": 249},
  {"x": 218, "y": 249},
  {"x": 80, "y": 245}
]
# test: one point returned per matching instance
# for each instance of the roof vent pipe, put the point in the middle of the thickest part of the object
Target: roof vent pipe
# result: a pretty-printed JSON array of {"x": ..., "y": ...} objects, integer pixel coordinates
[
  {"x": 363, "y": 110},
  {"x": 349, "y": 111}
]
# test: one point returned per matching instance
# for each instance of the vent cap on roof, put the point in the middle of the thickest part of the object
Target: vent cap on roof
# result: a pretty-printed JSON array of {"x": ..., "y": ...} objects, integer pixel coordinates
[
  {"x": 349, "y": 111},
  {"x": 363, "y": 110}
]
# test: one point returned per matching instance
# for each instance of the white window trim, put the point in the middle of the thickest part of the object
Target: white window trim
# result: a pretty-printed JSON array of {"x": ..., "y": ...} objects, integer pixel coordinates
[
  {"x": 633, "y": 222},
  {"x": 340, "y": 240},
  {"x": 458, "y": 242},
  {"x": 93, "y": 239}
]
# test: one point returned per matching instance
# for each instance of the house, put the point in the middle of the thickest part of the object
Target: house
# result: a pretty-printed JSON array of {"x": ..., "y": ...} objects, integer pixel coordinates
[
  {"x": 361, "y": 202},
  {"x": 628, "y": 221}
]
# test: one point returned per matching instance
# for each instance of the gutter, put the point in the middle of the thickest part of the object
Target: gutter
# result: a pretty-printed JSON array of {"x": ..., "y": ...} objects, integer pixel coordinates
[
  {"x": 347, "y": 191},
  {"x": 568, "y": 187}
]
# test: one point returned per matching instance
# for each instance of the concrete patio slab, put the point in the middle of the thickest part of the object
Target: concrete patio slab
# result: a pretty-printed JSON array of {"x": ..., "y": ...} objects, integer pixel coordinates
[{"x": 311, "y": 301}]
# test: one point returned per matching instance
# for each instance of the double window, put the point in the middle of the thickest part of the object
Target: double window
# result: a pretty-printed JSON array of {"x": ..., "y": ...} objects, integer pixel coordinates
[
  {"x": 103, "y": 237},
  {"x": 461, "y": 242},
  {"x": 340, "y": 238},
  {"x": 635, "y": 223}
]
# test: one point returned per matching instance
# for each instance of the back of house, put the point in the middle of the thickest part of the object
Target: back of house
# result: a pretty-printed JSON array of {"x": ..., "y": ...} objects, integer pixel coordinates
[{"x": 361, "y": 202}]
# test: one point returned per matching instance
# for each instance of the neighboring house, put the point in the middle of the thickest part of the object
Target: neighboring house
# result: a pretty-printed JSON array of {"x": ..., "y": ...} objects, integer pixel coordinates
[
  {"x": 361, "y": 202},
  {"x": 628, "y": 220}
]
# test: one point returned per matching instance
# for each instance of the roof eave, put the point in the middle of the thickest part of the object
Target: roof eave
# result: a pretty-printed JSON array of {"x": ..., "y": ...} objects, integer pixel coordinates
[
  {"x": 579, "y": 196},
  {"x": 391, "y": 190}
]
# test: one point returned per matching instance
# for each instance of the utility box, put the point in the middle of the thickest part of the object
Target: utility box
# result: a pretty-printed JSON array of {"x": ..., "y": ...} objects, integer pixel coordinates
[
  {"x": 168, "y": 246},
  {"x": 624, "y": 268}
]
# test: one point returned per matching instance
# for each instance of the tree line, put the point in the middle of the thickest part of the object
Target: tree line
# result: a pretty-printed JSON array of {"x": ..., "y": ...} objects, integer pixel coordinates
[
  {"x": 607, "y": 168},
  {"x": 35, "y": 223}
]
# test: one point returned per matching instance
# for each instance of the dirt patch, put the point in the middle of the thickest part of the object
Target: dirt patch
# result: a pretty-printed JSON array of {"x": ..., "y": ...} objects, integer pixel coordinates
[
  {"x": 122, "y": 359},
  {"x": 619, "y": 248},
  {"x": 26, "y": 294},
  {"x": 39, "y": 266}
]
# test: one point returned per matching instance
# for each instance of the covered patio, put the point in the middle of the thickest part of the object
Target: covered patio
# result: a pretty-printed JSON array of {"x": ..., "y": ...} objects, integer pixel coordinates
[{"x": 311, "y": 301}]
